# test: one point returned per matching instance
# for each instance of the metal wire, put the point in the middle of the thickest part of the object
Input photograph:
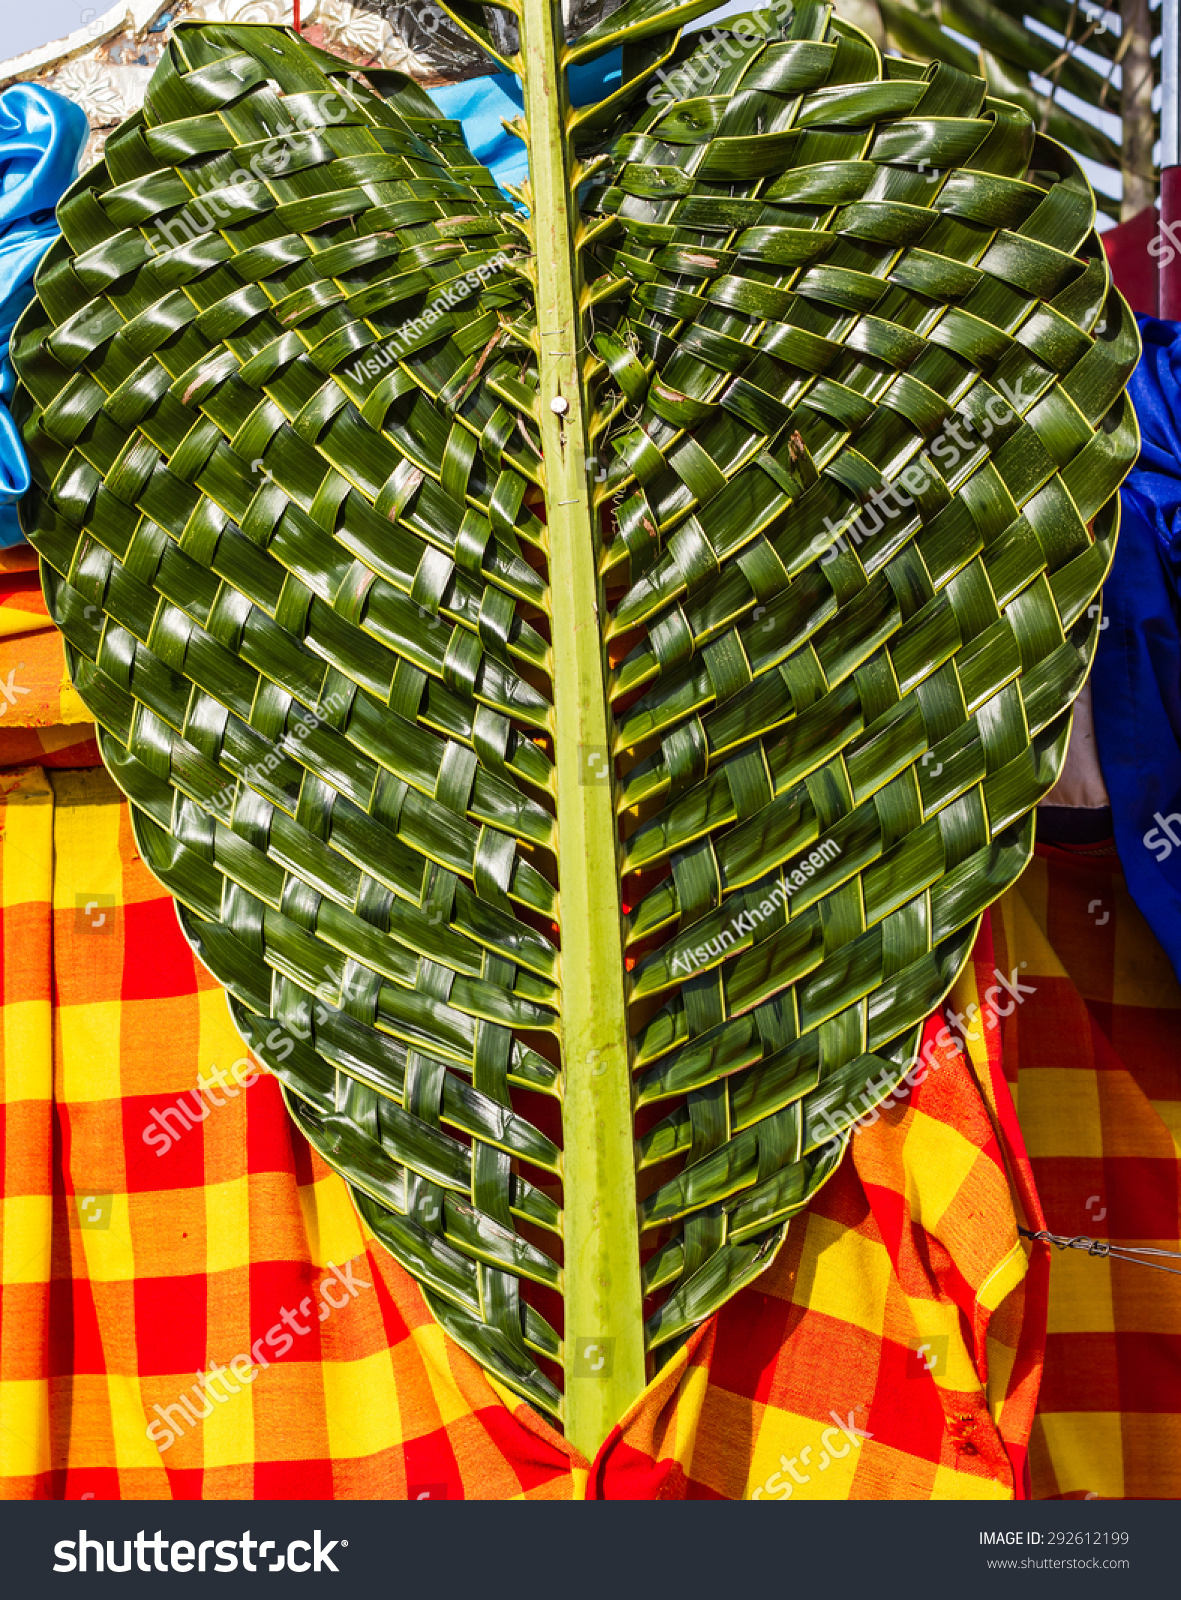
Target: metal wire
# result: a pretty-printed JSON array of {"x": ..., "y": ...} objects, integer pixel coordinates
[{"x": 1134, "y": 1254}]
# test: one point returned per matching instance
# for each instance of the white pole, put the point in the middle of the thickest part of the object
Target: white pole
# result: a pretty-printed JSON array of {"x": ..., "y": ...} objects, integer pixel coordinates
[{"x": 1169, "y": 298}]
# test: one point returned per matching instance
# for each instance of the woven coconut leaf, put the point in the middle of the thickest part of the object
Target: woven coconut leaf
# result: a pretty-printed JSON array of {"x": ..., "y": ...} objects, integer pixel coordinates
[
  {"x": 581, "y": 663},
  {"x": 1083, "y": 72}
]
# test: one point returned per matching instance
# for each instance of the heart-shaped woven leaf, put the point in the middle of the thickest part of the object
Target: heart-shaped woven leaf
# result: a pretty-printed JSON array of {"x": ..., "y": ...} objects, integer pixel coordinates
[{"x": 582, "y": 667}]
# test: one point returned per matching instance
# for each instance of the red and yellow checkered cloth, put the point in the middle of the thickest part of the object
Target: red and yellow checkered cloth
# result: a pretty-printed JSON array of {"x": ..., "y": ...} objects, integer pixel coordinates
[
  {"x": 42, "y": 718},
  {"x": 893, "y": 1350},
  {"x": 1094, "y": 1061}
]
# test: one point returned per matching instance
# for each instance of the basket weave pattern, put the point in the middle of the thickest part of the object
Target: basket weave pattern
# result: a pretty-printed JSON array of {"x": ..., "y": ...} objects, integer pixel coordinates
[{"x": 289, "y": 501}]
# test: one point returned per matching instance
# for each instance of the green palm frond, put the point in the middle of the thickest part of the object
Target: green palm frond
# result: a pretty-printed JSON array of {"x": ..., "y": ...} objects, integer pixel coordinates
[
  {"x": 584, "y": 667},
  {"x": 1089, "y": 45}
]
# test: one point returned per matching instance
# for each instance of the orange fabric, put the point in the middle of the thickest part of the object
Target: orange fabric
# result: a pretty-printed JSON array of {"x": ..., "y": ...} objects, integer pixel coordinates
[
  {"x": 40, "y": 712},
  {"x": 892, "y": 1350}
]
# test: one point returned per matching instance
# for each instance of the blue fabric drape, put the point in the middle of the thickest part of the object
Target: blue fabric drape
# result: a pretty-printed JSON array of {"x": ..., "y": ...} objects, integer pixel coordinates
[
  {"x": 1136, "y": 684},
  {"x": 42, "y": 135},
  {"x": 481, "y": 104}
]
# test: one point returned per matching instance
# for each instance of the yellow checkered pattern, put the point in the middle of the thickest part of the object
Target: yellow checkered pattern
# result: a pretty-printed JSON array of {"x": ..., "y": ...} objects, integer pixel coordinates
[
  {"x": 888, "y": 1352},
  {"x": 1095, "y": 1068}
]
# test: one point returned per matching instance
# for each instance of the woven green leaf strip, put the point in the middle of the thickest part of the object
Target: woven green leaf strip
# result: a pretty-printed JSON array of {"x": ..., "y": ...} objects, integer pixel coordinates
[{"x": 581, "y": 674}]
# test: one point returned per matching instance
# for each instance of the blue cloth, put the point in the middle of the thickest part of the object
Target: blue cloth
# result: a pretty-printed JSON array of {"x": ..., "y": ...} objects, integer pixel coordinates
[
  {"x": 1136, "y": 684},
  {"x": 42, "y": 135},
  {"x": 480, "y": 104}
]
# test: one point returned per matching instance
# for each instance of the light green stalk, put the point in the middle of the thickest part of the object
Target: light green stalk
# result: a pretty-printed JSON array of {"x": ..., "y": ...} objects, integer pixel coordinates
[{"x": 603, "y": 1332}]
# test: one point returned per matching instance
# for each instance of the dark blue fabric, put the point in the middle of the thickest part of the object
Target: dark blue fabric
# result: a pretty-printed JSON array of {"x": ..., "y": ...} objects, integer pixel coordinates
[
  {"x": 1136, "y": 684},
  {"x": 42, "y": 134}
]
